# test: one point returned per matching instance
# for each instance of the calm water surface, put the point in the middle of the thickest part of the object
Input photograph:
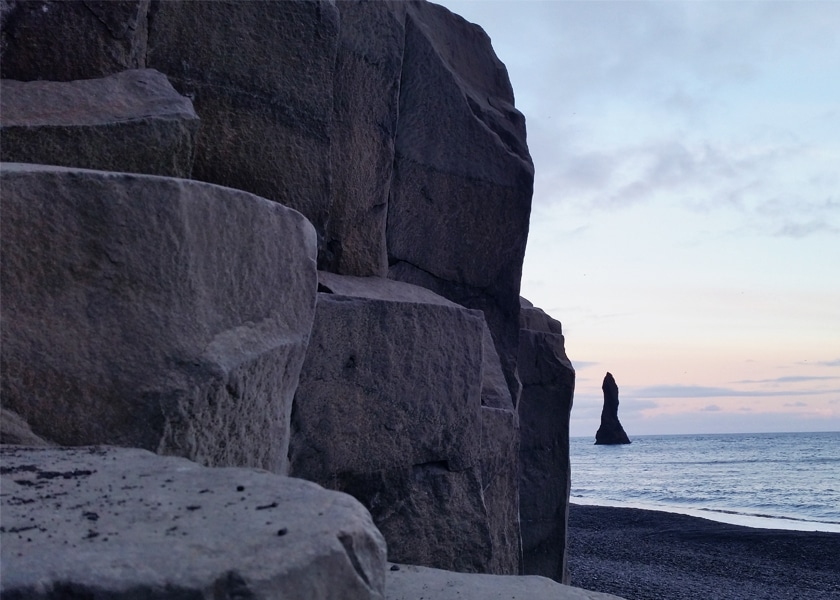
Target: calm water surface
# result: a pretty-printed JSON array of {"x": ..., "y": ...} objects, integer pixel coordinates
[{"x": 740, "y": 478}]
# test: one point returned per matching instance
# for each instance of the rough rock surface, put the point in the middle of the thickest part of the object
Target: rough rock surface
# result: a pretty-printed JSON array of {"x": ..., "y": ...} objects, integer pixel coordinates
[
  {"x": 388, "y": 409},
  {"x": 408, "y": 582},
  {"x": 461, "y": 170},
  {"x": 133, "y": 121},
  {"x": 64, "y": 40},
  {"x": 548, "y": 383},
  {"x": 365, "y": 110},
  {"x": 14, "y": 430},
  {"x": 610, "y": 431},
  {"x": 266, "y": 108},
  {"x": 500, "y": 487},
  {"x": 499, "y": 422},
  {"x": 131, "y": 314},
  {"x": 124, "y": 523}
]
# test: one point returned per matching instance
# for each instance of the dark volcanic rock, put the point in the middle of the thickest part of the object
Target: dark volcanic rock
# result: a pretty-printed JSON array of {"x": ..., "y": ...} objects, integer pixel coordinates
[
  {"x": 133, "y": 121},
  {"x": 610, "y": 431},
  {"x": 154, "y": 312},
  {"x": 365, "y": 110},
  {"x": 548, "y": 383},
  {"x": 389, "y": 410},
  {"x": 65, "y": 40},
  {"x": 122, "y": 523},
  {"x": 260, "y": 75},
  {"x": 461, "y": 193}
]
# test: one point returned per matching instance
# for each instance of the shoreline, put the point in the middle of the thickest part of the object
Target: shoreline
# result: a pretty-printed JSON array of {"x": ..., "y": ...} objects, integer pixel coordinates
[
  {"x": 720, "y": 516},
  {"x": 655, "y": 555}
]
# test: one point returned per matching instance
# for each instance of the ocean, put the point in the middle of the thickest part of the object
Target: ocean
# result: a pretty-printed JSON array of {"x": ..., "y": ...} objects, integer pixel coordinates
[{"x": 770, "y": 480}]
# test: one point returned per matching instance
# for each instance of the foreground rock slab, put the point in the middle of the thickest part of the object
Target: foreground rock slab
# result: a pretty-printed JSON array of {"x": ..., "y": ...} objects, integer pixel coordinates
[
  {"x": 125, "y": 523},
  {"x": 153, "y": 312},
  {"x": 407, "y": 582}
]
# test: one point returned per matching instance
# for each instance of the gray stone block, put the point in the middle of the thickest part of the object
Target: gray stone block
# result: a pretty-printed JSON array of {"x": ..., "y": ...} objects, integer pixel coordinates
[
  {"x": 118, "y": 523},
  {"x": 159, "y": 313}
]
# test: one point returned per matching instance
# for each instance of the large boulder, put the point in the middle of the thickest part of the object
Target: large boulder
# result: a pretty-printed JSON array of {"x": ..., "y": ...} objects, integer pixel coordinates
[
  {"x": 397, "y": 421},
  {"x": 133, "y": 121},
  {"x": 548, "y": 383},
  {"x": 610, "y": 431},
  {"x": 100, "y": 522},
  {"x": 64, "y": 40},
  {"x": 365, "y": 110},
  {"x": 410, "y": 582},
  {"x": 460, "y": 199},
  {"x": 388, "y": 410},
  {"x": 159, "y": 313},
  {"x": 261, "y": 77}
]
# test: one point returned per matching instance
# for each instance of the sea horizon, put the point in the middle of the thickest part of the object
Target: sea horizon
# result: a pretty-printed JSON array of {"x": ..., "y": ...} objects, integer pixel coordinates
[{"x": 772, "y": 480}]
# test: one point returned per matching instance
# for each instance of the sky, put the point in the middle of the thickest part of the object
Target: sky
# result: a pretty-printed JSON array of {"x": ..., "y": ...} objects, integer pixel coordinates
[{"x": 685, "y": 224}]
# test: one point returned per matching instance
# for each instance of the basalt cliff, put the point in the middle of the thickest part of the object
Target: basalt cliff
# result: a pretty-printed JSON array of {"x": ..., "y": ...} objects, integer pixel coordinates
[{"x": 270, "y": 242}]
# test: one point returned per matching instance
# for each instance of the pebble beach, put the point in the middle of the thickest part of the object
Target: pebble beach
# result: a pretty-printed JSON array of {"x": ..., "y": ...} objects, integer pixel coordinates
[{"x": 652, "y": 555}]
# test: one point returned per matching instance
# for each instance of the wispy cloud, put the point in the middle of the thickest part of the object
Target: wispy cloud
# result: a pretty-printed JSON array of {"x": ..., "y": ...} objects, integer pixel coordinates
[
  {"x": 790, "y": 379},
  {"x": 796, "y": 404},
  {"x": 700, "y": 391}
]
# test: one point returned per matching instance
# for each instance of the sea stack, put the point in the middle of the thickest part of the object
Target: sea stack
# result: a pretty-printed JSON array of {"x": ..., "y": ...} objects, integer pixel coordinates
[{"x": 610, "y": 431}]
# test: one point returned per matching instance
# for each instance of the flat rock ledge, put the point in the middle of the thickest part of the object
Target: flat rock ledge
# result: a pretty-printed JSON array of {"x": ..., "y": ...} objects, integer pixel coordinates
[
  {"x": 105, "y": 522},
  {"x": 407, "y": 582}
]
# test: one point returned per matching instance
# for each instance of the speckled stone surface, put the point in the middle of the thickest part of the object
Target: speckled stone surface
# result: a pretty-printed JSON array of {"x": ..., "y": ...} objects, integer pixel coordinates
[
  {"x": 125, "y": 523},
  {"x": 407, "y": 582}
]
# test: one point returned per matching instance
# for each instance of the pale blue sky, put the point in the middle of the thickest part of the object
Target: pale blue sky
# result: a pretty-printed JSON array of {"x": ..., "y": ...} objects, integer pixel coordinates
[{"x": 686, "y": 215}]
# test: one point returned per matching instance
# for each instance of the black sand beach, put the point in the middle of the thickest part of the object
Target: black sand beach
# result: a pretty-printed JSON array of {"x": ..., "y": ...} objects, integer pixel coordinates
[{"x": 648, "y": 555}]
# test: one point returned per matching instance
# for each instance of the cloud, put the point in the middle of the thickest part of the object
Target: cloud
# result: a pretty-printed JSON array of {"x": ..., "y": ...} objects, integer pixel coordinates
[
  {"x": 700, "y": 391},
  {"x": 628, "y": 103},
  {"x": 711, "y": 408},
  {"x": 796, "y": 404},
  {"x": 790, "y": 379},
  {"x": 801, "y": 230},
  {"x": 827, "y": 363}
]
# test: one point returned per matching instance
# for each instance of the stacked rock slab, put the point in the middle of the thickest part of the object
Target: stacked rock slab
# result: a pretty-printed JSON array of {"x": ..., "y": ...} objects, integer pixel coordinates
[
  {"x": 261, "y": 77},
  {"x": 133, "y": 121},
  {"x": 101, "y": 522},
  {"x": 462, "y": 170},
  {"x": 278, "y": 87},
  {"x": 391, "y": 126},
  {"x": 131, "y": 315},
  {"x": 389, "y": 410},
  {"x": 548, "y": 382}
]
